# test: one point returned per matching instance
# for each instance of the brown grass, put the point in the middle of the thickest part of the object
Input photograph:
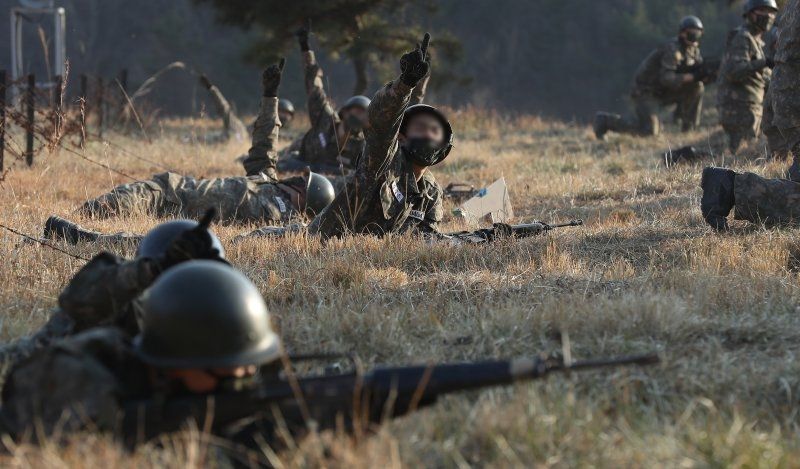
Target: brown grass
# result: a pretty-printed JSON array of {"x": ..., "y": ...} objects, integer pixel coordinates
[{"x": 644, "y": 274}]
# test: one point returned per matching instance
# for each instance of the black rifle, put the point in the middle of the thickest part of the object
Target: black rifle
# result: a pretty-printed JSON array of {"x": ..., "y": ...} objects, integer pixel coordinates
[
  {"x": 502, "y": 230},
  {"x": 706, "y": 71},
  {"x": 357, "y": 400}
]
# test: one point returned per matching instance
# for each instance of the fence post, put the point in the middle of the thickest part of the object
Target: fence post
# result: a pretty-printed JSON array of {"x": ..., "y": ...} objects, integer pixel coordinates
[
  {"x": 2, "y": 117},
  {"x": 83, "y": 107},
  {"x": 100, "y": 105},
  {"x": 58, "y": 104},
  {"x": 31, "y": 102}
]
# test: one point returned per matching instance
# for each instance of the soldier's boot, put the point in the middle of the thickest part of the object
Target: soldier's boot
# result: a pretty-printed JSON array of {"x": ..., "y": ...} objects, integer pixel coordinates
[
  {"x": 59, "y": 228},
  {"x": 718, "y": 200},
  {"x": 603, "y": 122}
]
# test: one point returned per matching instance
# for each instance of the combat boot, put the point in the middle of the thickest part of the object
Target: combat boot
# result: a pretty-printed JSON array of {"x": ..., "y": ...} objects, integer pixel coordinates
[
  {"x": 718, "y": 199},
  {"x": 59, "y": 228},
  {"x": 601, "y": 124}
]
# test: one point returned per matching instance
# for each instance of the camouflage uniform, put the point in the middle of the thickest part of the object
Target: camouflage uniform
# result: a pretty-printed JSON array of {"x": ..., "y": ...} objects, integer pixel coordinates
[
  {"x": 743, "y": 80},
  {"x": 769, "y": 201},
  {"x": 252, "y": 199},
  {"x": 262, "y": 156},
  {"x": 658, "y": 83},
  {"x": 78, "y": 383},
  {"x": 776, "y": 144},
  {"x": 383, "y": 196},
  {"x": 101, "y": 293},
  {"x": 785, "y": 82},
  {"x": 232, "y": 126}
]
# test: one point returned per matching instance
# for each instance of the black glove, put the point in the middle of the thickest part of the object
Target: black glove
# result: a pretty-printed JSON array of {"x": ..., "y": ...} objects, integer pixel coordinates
[
  {"x": 271, "y": 79},
  {"x": 302, "y": 36},
  {"x": 205, "y": 82},
  {"x": 196, "y": 243},
  {"x": 770, "y": 62},
  {"x": 415, "y": 65}
]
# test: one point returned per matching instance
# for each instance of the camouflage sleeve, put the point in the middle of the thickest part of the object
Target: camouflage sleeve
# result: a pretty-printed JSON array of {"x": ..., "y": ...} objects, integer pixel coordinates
[
  {"x": 62, "y": 388},
  {"x": 434, "y": 214},
  {"x": 232, "y": 126},
  {"x": 59, "y": 325},
  {"x": 101, "y": 292},
  {"x": 262, "y": 156},
  {"x": 738, "y": 65},
  {"x": 320, "y": 111},
  {"x": 670, "y": 60},
  {"x": 385, "y": 114},
  {"x": 419, "y": 92}
]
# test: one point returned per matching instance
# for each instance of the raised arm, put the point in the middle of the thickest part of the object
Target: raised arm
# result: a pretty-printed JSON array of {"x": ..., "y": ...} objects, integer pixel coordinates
[
  {"x": 320, "y": 109},
  {"x": 263, "y": 156},
  {"x": 387, "y": 107}
]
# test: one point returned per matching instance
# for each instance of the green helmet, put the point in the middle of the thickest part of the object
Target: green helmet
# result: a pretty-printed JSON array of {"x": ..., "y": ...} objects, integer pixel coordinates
[
  {"x": 286, "y": 106},
  {"x": 415, "y": 109},
  {"x": 205, "y": 314},
  {"x": 356, "y": 101},
  {"x": 751, "y": 5},
  {"x": 319, "y": 193},
  {"x": 156, "y": 241},
  {"x": 691, "y": 22}
]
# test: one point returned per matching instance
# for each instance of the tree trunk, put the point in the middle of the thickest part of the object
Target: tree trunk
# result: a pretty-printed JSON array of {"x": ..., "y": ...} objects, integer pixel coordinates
[{"x": 362, "y": 78}]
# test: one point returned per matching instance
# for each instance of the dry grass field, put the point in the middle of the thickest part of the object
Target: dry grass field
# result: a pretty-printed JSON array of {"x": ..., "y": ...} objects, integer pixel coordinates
[{"x": 645, "y": 273}]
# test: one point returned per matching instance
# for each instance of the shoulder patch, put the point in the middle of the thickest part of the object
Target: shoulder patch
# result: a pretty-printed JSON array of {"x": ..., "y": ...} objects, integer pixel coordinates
[
  {"x": 281, "y": 204},
  {"x": 322, "y": 140},
  {"x": 396, "y": 191}
]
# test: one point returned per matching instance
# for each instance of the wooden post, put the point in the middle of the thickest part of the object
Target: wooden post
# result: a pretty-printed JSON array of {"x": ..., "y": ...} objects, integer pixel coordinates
[
  {"x": 31, "y": 102},
  {"x": 100, "y": 105},
  {"x": 83, "y": 107},
  {"x": 2, "y": 117}
]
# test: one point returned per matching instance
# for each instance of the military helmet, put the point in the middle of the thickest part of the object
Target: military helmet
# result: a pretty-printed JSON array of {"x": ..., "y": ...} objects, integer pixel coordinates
[
  {"x": 156, "y": 241},
  {"x": 751, "y": 5},
  {"x": 691, "y": 22},
  {"x": 319, "y": 192},
  {"x": 205, "y": 314},
  {"x": 286, "y": 106},
  {"x": 356, "y": 101},
  {"x": 412, "y": 111}
]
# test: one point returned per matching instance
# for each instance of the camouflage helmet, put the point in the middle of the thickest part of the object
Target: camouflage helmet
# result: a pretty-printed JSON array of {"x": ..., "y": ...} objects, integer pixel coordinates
[
  {"x": 286, "y": 106},
  {"x": 205, "y": 314},
  {"x": 356, "y": 101},
  {"x": 416, "y": 109},
  {"x": 691, "y": 22},
  {"x": 156, "y": 241},
  {"x": 319, "y": 192},
  {"x": 751, "y": 5}
]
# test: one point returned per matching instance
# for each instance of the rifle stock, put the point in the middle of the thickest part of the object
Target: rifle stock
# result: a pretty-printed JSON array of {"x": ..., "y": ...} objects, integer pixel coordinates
[{"x": 365, "y": 399}]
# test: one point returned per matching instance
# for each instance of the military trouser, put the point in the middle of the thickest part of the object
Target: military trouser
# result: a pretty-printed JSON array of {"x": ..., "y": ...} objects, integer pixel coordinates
[
  {"x": 769, "y": 201},
  {"x": 689, "y": 105},
  {"x": 127, "y": 199},
  {"x": 741, "y": 122}
]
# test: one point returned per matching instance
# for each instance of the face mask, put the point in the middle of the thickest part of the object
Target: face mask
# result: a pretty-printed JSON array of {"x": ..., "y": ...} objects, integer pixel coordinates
[
  {"x": 762, "y": 22},
  {"x": 354, "y": 123},
  {"x": 422, "y": 151},
  {"x": 693, "y": 37}
]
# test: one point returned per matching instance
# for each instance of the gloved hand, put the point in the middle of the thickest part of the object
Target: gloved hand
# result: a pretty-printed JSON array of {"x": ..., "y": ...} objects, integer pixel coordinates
[
  {"x": 205, "y": 81},
  {"x": 302, "y": 36},
  {"x": 271, "y": 79},
  {"x": 770, "y": 62},
  {"x": 415, "y": 65},
  {"x": 196, "y": 243}
]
